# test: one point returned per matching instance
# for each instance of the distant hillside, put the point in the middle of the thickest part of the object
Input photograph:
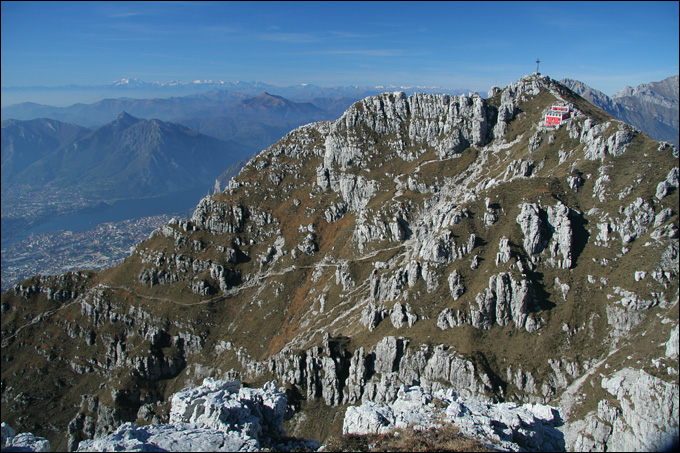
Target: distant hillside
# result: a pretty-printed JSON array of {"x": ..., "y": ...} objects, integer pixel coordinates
[
  {"x": 652, "y": 107},
  {"x": 128, "y": 157},
  {"x": 213, "y": 104},
  {"x": 24, "y": 142}
]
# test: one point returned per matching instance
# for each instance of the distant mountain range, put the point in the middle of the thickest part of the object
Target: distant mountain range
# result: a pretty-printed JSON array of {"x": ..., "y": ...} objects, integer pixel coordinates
[
  {"x": 26, "y": 142},
  {"x": 128, "y": 157},
  {"x": 651, "y": 107},
  {"x": 256, "y": 122},
  {"x": 134, "y": 88},
  {"x": 241, "y": 86},
  {"x": 264, "y": 107},
  {"x": 60, "y": 160}
]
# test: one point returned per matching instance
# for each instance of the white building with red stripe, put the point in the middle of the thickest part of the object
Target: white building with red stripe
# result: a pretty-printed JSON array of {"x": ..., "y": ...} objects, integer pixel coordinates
[{"x": 557, "y": 114}]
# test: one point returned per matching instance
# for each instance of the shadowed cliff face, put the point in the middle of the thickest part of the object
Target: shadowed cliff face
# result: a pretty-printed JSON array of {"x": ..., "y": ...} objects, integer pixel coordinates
[{"x": 444, "y": 241}]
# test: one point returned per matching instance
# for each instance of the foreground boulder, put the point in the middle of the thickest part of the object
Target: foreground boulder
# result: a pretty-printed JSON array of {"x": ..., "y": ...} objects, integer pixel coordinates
[
  {"x": 506, "y": 426},
  {"x": 217, "y": 416},
  {"x": 22, "y": 442}
]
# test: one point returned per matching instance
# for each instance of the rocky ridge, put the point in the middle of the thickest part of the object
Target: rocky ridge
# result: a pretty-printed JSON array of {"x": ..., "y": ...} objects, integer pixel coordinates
[
  {"x": 444, "y": 242},
  {"x": 650, "y": 107}
]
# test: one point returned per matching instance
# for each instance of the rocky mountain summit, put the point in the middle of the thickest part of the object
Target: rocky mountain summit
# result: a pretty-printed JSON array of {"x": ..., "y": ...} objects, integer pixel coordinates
[{"x": 418, "y": 245}]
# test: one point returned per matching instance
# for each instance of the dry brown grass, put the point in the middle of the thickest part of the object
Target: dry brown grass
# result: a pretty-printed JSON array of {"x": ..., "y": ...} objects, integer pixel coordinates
[{"x": 443, "y": 438}]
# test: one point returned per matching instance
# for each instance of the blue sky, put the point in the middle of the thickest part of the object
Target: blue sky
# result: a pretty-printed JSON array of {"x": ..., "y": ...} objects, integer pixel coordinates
[{"x": 472, "y": 45}]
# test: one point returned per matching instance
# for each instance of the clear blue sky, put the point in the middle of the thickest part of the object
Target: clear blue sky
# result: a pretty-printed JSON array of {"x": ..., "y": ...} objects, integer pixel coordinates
[{"x": 473, "y": 45}]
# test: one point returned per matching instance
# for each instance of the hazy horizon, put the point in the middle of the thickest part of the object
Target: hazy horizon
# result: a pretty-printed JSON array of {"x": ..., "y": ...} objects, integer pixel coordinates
[{"x": 472, "y": 45}]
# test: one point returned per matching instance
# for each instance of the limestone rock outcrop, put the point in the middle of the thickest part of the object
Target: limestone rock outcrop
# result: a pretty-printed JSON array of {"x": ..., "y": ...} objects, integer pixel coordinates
[
  {"x": 216, "y": 416},
  {"x": 533, "y": 228},
  {"x": 644, "y": 416},
  {"x": 506, "y": 426},
  {"x": 504, "y": 300},
  {"x": 23, "y": 441}
]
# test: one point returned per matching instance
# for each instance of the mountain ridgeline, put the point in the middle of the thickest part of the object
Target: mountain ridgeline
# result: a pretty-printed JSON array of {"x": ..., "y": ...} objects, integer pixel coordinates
[
  {"x": 448, "y": 242},
  {"x": 128, "y": 157},
  {"x": 257, "y": 121},
  {"x": 653, "y": 108}
]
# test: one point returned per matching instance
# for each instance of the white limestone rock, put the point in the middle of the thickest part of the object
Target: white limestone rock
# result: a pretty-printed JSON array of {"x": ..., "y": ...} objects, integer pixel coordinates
[
  {"x": 366, "y": 231},
  {"x": 217, "y": 416},
  {"x": 224, "y": 406},
  {"x": 439, "y": 249},
  {"x": 388, "y": 352},
  {"x": 600, "y": 187},
  {"x": 596, "y": 146},
  {"x": 672, "y": 344},
  {"x": 662, "y": 217},
  {"x": 171, "y": 437},
  {"x": 618, "y": 143},
  {"x": 638, "y": 215},
  {"x": 411, "y": 408},
  {"x": 671, "y": 181},
  {"x": 368, "y": 418},
  {"x": 308, "y": 245},
  {"x": 456, "y": 286},
  {"x": 330, "y": 382},
  {"x": 448, "y": 319},
  {"x": 490, "y": 218},
  {"x": 371, "y": 315},
  {"x": 382, "y": 391},
  {"x": 558, "y": 218},
  {"x": 402, "y": 314},
  {"x": 531, "y": 224},
  {"x": 649, "y": 407},
  {"x": 523, "y": 380},
  {"x": 503, "y": 255},
  {"x": 343, "y": 277},
  {"x": 356, "y": 191},
  {"x": 510, "y": 426},
  {"x": 504, "y": 300},
  {"x": 413, "y": 271},
  {"x": 356, "y": 380},
  {"x": 446, "y": 366},
  {"x": 506, "y": 425},
  {"x": 534, "y": 142},
  {"x": 27, "y": 442},
  {"x": 387, "y": 286},
  {"x": 574, "y": 182},
  {"x": 431, "y": 276},
  {"x": 563, "y": 288}
]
